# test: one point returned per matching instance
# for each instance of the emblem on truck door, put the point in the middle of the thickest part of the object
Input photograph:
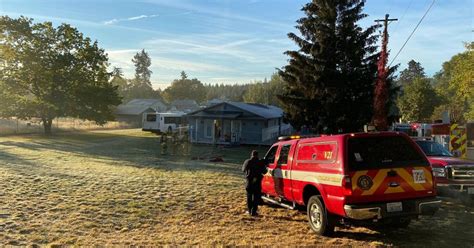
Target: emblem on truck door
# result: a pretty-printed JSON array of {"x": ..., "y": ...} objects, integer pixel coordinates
[{"x": 365, "y": 182}]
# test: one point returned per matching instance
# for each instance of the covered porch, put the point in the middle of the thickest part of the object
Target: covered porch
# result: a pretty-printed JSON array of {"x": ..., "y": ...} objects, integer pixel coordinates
[{"x": 216, "y": 129}]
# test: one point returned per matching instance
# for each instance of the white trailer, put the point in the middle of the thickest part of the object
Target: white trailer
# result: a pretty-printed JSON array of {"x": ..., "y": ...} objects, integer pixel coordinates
[{"x": 163, "y": 122}]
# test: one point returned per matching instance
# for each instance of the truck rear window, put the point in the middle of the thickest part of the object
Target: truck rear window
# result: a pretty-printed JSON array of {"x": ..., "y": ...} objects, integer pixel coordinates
[{"x": 367, "y": 153}]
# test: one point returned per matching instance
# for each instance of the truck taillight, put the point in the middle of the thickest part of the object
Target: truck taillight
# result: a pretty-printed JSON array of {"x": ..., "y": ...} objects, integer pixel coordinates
[{"x": 347, "y": 185}]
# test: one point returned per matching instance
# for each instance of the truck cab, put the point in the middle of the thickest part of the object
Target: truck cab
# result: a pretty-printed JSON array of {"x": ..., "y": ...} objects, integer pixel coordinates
[
  {"x": 451, "y": 173},
  {"x": 350, "y": 177}
]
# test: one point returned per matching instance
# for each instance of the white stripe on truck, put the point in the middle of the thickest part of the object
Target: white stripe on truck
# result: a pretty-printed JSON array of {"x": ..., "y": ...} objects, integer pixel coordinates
[{"x": 307, "y": 176}]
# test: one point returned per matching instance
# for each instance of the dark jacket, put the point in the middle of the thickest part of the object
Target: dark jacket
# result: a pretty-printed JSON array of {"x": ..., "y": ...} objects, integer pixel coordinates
[{"x": 254, "y": 169}]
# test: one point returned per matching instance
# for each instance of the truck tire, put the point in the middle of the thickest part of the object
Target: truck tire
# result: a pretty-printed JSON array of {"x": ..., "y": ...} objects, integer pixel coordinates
[{"x": 319, "y": 219}]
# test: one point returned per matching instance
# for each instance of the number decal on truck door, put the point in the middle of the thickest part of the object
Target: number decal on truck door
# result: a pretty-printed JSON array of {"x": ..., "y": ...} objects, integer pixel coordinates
[{"x": 327, "y": 155}]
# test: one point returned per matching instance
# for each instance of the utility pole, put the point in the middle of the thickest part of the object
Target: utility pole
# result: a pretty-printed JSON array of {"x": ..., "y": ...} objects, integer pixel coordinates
[{"x": 381, "y": 91}]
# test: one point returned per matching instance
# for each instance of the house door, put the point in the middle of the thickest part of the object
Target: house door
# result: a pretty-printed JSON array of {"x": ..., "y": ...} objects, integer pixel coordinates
[
  {"x": 235, "y": 129},
  {"x": 226, "y": 130}
]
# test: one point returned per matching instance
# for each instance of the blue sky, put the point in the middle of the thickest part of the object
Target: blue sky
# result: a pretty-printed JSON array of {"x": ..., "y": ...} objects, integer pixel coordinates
[{"x": 238, "y": 41}]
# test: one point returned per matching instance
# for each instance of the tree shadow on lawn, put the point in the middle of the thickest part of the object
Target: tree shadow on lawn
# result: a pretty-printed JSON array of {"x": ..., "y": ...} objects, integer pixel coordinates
[
  {"x": 139, "y": 151},
  {"x": 14, "y": 163},
  {"x": 12, "y": 160}
]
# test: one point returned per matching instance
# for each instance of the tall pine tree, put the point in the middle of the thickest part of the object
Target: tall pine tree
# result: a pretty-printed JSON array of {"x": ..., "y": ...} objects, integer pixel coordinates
[
  {"x": 330, "y": 79},
  {"x": 140, "y": 86},
  {"x": 142, "y": 68},
  {"x": 412, "y": 72}
]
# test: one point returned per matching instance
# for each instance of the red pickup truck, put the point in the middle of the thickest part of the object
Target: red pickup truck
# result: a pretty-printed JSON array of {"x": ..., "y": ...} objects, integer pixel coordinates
[
  {"x": 452, "y": 174},
  {"x": 382, "y": 176}
]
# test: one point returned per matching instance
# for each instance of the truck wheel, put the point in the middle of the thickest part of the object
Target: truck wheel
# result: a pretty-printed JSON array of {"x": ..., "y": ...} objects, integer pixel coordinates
[{"x": 319, "y": 219}]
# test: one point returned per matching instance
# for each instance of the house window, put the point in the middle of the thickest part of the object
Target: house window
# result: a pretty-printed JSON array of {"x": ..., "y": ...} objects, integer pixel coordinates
[{"x": 151, "y": 117}]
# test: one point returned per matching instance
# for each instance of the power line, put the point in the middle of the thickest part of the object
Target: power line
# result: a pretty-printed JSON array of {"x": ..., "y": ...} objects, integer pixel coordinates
[
  {"x": 423, "y": 17},
  {"x": 401, "y": 19}
]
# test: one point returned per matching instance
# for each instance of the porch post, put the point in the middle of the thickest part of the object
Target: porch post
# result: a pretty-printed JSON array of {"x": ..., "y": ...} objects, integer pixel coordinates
[
  {"x": 196, "y": 131},
  {"x": 279, "y": 127}
]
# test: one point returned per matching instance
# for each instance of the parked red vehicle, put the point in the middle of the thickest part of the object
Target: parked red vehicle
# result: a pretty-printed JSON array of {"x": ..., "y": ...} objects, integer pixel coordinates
[
  {"x": 451, "y": 173},
  {"x": 383, "y": 177}
]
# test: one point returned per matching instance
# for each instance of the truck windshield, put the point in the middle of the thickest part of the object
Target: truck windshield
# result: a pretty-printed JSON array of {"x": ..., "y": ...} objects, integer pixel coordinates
[
  {"x": 431, "y": 148},
  {"x": 382, "y": 152}
]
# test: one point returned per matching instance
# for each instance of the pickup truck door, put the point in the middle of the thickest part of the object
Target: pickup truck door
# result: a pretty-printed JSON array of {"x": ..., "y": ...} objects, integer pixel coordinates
[
  {"x": 268, "y": 186},
  {"x": 277, "y": 181},
  {"x": 282, "y": 172}
]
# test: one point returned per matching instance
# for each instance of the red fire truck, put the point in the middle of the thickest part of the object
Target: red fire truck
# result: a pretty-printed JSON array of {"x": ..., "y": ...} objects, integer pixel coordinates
[
  {"x": 452, "y": 174},
  {"x": 382, "y": 176}
]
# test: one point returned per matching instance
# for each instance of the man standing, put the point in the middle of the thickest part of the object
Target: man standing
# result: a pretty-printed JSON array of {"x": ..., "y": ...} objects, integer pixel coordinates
[{"x": 254, "y": 169}]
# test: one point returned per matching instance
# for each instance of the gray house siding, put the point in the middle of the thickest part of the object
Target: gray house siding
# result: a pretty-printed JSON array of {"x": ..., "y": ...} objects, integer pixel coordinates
[{"x": 253, "y": 131}]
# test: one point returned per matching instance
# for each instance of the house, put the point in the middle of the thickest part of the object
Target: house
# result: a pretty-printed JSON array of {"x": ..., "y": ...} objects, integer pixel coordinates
[
  {"x": 132, "y": 112},
  {"x": 184, "y": 105},
  {"x": 152, "y": 103},
  {"x": 237, "y": 123}
]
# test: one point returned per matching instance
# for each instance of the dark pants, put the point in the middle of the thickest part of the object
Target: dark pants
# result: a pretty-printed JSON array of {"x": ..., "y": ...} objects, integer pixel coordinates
[{"x": 254, "y": 197}]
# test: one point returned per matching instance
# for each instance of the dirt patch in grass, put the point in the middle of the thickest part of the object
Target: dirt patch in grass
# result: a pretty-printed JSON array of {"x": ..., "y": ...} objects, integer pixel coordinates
[{"x": 114, "y": 188}]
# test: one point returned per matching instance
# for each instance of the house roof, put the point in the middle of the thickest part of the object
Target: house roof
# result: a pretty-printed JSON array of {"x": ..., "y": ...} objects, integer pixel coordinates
[
  {"x": 126, "y": 109},
  {"x": 215, "y": 101},
  {"x": 217, "y": 115},
  {"x": 184, "y": 102},
  {"x": 264, "y": 111}
]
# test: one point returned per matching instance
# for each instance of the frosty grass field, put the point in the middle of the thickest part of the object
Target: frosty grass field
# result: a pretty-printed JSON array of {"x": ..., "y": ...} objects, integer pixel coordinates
[{"x": 114, "y": 188}]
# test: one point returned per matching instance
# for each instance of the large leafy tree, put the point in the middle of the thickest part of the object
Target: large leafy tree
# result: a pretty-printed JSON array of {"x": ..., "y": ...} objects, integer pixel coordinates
[
  {"x": 330, "y": 79},
  {"x": 418, "y": 101},
  {"x": 456, "y": 86},
  {"x": 407, "y": 76},
  {"x": 185, "y": 88},
  {"x": 49, "y": 72}
]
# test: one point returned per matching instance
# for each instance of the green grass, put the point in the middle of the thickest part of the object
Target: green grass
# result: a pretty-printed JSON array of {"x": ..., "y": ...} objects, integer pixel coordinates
[{"x": 115, "y": 188}]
